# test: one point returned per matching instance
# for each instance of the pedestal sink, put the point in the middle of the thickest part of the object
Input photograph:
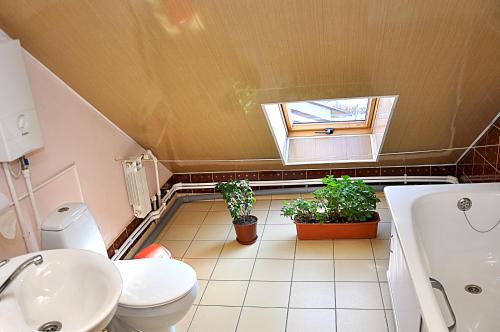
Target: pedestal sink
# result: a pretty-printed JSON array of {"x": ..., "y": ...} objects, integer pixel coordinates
[{"x": 72, "y": 291}]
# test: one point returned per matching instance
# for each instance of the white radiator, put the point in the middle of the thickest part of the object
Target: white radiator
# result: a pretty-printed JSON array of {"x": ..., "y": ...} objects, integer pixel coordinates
[{"x": 137, "y": 187}]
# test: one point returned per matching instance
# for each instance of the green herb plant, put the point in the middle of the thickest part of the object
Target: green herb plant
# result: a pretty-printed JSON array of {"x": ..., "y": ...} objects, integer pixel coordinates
[
  {"x": 239, "y": 198},
  {"x": 339, "y": 201}
]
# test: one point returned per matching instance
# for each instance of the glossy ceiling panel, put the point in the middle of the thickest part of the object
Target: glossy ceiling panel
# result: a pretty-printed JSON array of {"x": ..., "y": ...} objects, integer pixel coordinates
[{"x": 186, "y": 77}]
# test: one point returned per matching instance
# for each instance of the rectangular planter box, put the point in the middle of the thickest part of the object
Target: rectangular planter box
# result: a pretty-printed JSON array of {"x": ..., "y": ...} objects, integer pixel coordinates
[{"x": 357, "y": 230}]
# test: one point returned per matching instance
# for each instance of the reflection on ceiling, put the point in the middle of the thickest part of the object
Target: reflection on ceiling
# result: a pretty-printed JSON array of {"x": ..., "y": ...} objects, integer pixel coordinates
[{"x": 186, "y": 78}]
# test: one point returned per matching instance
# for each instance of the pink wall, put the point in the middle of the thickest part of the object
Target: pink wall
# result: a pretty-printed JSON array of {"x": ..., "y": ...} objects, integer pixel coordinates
[{"x": 83, "y": 142}]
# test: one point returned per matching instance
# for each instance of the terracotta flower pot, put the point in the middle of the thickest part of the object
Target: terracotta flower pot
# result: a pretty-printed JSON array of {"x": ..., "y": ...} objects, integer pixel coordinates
[
  {"x": 354, "y": 230},
  {"x": 246, "y": 233}
]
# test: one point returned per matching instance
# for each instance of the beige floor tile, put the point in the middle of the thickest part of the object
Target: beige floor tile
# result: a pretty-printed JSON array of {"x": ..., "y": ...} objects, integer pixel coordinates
[
  {"x": 355, "y": 270},
  {"x": 390, "y": 320},
  {"x": 358, "y": 295},
  {"x": 307, "y": 195},
  {"x": 285, "y": 196},
  {"x": 176, "y": 248},
  {"x": 229, "y": 293},
  {"x": 360, "y": 320},
  {"x": 382, "y": 267},
  {"x": 277, "y": 249},
  {"x": 353, "y": 249},
  {"x": 302, "y": 320},
  {"x": 385, "y": 214},
  {"x": 384, "y": 230},
  {"x": 233, "y": 269},
  {"x": 213, "y": 232},
  {"x": 232, "y": 233},
  {"x": 181, "y": 232},
  {"x": 314, "y": 249},
  {"x": 202, "y": 285},
  {"x": 202, "y": 266},
  {"x": 218, "y": 206},
  {"x": 189, "y": 217},
  {"x": 277, "y": 204},
  {"x": 233, "y": 249},
  {"x": 204, "y": 249},
  {"x": 275, "y": 218},
  {"x": 183, "y": 324},
  {"x": 218, "y": 218},
  {"x": 261, "y": 216},
  {"x": 197, "y": 206},
  {"x": 380, "y": 249},
  {"x": 261, "y": 204},
  {"x": 215, "y": 319},
  {"x": 262, "y": 319},
  {"x": 272, "y": 270},
  {"x": 312, "y": 295},
  {"x": 386, "y": 296},
  {"x": 280, "y": 232},
  {"x": 313, "y": 270},
  {"x": 267, "y": 294}
]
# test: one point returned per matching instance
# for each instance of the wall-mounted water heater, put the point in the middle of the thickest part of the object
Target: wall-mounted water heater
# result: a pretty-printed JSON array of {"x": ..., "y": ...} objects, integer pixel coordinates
[{"x": 19, "y": 128}]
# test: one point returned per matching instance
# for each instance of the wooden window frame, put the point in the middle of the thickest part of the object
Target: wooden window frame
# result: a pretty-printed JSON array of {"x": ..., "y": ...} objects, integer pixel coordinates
[{"x": 340, "y": 128}]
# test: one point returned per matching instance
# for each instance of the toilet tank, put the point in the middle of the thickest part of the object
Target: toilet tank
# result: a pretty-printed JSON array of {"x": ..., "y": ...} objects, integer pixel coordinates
[{"x": 72, "y": 226}]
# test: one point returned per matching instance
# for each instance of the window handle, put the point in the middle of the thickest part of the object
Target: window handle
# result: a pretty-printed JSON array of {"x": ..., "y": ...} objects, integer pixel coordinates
[{"x": 327, "y": 131}]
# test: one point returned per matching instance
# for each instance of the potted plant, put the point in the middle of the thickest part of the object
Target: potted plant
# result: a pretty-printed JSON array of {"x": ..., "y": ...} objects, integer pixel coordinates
[
  {"x": 239, "y": 198},
  {"x": 343, "y": 209}
]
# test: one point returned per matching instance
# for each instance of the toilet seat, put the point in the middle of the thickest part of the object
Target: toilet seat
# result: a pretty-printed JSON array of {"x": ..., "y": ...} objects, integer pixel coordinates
[{"x": 153, "y": 282}]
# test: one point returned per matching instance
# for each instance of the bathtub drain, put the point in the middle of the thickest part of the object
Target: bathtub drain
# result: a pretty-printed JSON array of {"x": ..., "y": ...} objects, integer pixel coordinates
[{"x": 473, "y": 289}]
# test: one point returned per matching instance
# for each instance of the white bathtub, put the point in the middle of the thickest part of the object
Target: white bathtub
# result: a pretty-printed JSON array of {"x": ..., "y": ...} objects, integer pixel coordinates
[{"x": 432, "y": 239}]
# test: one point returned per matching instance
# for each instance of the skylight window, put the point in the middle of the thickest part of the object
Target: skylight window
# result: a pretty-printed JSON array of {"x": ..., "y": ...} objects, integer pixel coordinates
[
  {"x": 354, "y": 113},
  {"x": 326, "y": 131}
]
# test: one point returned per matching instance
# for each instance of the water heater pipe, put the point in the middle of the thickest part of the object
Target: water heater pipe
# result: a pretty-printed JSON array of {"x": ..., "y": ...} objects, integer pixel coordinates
[
  {"x": 26, "y": 228},
  {"x": 29, "y": 187}
]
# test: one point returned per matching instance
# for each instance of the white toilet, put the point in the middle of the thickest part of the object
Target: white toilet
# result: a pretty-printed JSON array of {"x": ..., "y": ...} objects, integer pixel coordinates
[{"x": 157, "y": 292}]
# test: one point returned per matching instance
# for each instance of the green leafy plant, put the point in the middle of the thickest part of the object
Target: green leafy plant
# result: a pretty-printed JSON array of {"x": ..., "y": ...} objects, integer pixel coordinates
[
  {"x": 239, "y": 198},
  {"x": 341, "y": 200}
]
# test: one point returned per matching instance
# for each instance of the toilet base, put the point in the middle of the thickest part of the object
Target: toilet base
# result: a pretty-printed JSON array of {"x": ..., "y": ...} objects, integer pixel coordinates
[{"x": 116, "y": 325}]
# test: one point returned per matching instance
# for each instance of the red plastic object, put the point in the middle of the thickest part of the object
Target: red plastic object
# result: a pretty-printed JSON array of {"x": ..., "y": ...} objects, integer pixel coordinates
[{"x": 154, "y": 250}]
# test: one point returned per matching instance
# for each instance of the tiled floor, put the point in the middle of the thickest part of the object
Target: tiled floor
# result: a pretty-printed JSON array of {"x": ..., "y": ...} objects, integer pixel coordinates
[{"x": 279, "y": 283}]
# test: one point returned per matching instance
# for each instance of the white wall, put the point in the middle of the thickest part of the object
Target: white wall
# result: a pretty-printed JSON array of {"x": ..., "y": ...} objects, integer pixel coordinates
[{"x": 75, "y": 133}]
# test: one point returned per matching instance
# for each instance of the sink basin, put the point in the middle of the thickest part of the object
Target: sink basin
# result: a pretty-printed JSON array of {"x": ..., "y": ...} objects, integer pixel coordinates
[{"x": 76, "y": 289}]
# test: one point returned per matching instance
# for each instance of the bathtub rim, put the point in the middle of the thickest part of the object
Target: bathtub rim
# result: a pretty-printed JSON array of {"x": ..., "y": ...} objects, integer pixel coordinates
[{"x": 401, "y": 201}]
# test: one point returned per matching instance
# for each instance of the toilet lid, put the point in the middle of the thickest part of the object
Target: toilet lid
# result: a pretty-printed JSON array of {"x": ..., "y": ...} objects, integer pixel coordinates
[{"x": 151, "y": 282}]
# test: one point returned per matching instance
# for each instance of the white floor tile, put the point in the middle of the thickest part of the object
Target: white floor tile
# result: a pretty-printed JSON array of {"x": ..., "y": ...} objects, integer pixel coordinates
[
  {"x": 353, "y": 249},
  {"x": 228, "y": 293},
  {"x": 233, "y": 249},
  {"x": 361, "y": 320},
  {"x": 386, "y": 296},
  {"x": 267, "y": 294},
  {"x": 279, "y": 232},
  {"x": 358, "y": 295},
  {"x": 272, "y": 270},
  {"x": 277, "y": 249},
  {"x": 313, "y": 270},
  {"x": 382, "y": 267},
  {"x": 355, "y": 270},
  {"x": 212, "y": 318},
  {"x": 302, "y": 320},
  {"x": 380, "y": 248},
  {"x": 204, "y": 249},
  {"x": 314, "y": 249},
  {"x": 262, "y": 319},
  {"x": 312, "y": 295},
  {"x": 233, "y": 269}
]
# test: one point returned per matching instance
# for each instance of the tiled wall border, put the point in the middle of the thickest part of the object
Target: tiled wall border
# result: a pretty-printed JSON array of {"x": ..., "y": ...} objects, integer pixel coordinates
[
  {"x": 482, "y": 162},
  {"x": 296, "y": 174}
]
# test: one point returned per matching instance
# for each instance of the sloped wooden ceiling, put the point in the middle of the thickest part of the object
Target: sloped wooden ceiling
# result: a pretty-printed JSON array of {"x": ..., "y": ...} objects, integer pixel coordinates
[{"x": 186, "y": 77}]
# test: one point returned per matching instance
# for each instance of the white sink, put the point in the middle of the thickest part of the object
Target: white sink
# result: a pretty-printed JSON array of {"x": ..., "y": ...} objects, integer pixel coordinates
[{"x": 77, "y": 288}]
